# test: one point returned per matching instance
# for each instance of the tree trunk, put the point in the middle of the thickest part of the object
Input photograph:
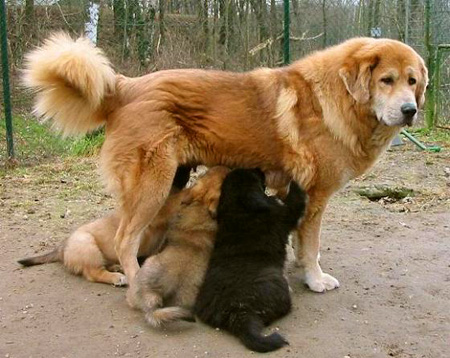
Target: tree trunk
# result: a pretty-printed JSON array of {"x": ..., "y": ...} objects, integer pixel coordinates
[
  {"x": 162, "y": 28},
  {"x": 205, "y": 26},
  {"x": 119, "y": 18},
  {"x": 29, "y": 19}
]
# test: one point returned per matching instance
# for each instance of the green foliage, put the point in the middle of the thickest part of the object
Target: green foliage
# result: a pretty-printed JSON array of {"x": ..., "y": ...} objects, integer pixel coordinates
[
  {"x": 33, "y": 141},
  {"x": 36, "y": 142},
  {"x": 89, "y": 144},
  {"x": 433, "y": 136}
]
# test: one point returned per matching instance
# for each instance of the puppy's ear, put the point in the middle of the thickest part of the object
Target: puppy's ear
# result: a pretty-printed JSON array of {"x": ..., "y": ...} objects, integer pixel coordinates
[
  {"x": 256, "y": 201},
  {"x": 212, "y": 203},
  {"x": 260, "y": 175},
  {"x": 422, "y": 84},
  {"x": 356, "y": 75},
  {"x": 193, "y": 193}
]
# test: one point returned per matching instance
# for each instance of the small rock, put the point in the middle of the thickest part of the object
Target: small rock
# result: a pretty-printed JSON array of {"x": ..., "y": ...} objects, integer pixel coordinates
[
  {"x": 354, "y": 307},
  {"x": 65, "y": 215}
]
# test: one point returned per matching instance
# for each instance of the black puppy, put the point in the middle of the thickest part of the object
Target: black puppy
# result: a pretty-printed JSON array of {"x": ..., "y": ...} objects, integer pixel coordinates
[{"x": 244, "y": 288}]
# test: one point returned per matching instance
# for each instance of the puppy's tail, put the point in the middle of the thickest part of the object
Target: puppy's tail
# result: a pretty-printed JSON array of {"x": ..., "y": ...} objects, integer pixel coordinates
[
  {"x": 72, "y": 79},
  {"x": 57, "y": 255},
  {"x": 164, "y": 315},
  {"x": 248, "y": 329}
]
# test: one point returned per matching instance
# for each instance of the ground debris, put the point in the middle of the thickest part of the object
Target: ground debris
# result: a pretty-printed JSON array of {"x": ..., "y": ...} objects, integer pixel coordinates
[{"x": 377, "y": 192}]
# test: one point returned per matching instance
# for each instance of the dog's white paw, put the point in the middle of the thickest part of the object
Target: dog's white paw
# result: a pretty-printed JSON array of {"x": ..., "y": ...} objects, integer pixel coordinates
[
  {"x": 320, "y": 282},
  {"x": 121, "y": 280}
]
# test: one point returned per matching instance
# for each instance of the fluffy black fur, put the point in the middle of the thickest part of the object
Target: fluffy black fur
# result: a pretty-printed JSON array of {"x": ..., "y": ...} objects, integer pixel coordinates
[{"x": 244, "y": 287}]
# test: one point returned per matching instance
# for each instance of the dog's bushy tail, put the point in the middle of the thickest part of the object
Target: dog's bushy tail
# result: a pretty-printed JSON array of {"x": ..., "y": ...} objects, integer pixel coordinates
[
  {"x": 248, "y": 328},
  {"x": 72, "y": 79},
  {"x": 164, "y": 315},
  {"x": 56, "y": 255}
]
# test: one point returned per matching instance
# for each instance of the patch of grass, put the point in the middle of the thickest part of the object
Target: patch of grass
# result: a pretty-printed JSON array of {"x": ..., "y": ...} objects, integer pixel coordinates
[
  {"x": 33, "y": 141},
  {"x": 433, "y": 136},
  {"x": 36, "y": 142},
  {"x": 89, "y": 144}
]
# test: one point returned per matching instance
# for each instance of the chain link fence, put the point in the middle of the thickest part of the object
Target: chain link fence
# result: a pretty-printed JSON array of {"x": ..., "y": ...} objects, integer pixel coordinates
[{"x": 148, "y": 35}]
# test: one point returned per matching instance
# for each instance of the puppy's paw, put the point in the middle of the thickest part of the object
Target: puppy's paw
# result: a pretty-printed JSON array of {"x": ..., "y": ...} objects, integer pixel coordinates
[
  {"x": 120, "y": 280},
  {"x": 320, "y": 282}
]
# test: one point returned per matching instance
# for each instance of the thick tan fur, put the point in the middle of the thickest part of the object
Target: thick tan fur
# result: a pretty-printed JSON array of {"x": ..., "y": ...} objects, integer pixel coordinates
[
  {"x": 89, "y": 250},
  {"x": 172, "y": 277},
  {"x": 323, "y": 120}
]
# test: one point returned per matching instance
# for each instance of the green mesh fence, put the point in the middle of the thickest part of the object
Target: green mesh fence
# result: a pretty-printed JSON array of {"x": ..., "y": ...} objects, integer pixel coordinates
[{"x": 148, "y": 35}]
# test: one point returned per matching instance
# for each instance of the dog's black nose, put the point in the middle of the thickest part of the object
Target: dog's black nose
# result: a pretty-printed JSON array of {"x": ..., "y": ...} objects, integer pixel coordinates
[{"x": 408, "y": 109}]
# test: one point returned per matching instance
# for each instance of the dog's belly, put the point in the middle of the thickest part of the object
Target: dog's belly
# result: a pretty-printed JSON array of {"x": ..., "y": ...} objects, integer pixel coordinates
[{"x": 232, "y": 151}]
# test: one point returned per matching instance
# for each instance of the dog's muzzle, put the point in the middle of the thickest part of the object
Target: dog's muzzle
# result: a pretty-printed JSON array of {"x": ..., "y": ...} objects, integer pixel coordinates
[{"x": 408, "y": 110}]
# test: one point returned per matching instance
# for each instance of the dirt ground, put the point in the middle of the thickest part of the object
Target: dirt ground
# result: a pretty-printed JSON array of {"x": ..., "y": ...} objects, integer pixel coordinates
[{"x": 392, "y": 259}]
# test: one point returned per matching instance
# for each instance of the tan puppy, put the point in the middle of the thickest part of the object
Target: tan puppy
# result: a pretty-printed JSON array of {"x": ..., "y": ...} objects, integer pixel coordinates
[
  {"x": 89, "y": 251},
  {"x": 323, "y": 120},
  {"x": 172, "y": 277}
]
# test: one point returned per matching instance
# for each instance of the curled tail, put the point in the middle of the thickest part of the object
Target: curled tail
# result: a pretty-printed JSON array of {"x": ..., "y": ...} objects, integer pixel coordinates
[
  {"x": 248, "y": 329},
  {"x": 164, "y": 315},
  {"x": 56, "y": 255},
  {"x": 72, "y": 79}
]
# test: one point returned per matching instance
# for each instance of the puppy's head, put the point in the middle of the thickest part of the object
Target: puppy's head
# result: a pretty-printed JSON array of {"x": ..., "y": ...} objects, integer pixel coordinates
[
  {"x": 388, "y": 76},
  {"x": 207, "y": 189},
  {"x": 243, "y": 191}
]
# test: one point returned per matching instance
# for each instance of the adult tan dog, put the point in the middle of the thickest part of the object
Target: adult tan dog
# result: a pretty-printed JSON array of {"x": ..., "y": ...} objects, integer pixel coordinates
[{"x": 323, "y": 120}]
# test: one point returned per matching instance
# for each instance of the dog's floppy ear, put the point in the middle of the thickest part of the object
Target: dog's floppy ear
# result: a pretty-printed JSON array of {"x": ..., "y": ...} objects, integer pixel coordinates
[
  {"x": 421, "y": 85},
  {"x": 356, "y": 74}
]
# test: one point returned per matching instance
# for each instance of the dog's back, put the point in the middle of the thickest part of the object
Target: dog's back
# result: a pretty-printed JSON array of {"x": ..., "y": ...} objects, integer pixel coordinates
[{"x": 244, "y": 288}]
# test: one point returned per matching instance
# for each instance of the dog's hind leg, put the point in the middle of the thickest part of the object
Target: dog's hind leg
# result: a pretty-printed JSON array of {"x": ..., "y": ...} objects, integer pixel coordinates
[{"x": 142, "y": 197}]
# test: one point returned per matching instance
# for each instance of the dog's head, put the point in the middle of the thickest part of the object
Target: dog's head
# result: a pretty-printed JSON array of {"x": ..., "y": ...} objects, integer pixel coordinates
[
  {"x": 243, "y": 190},
  {"x": 389, "y": 76},
  {"x": 207, "y": 189}
]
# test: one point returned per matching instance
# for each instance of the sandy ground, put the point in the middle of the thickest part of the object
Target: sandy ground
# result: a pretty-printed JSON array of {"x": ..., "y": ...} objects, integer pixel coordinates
[{"x": 392, "y": 259}]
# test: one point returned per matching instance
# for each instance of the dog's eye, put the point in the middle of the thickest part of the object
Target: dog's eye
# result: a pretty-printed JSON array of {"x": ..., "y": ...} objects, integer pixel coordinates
[
  {"x": 387, "y": 80},
  {"x": 412, "y": 81}
]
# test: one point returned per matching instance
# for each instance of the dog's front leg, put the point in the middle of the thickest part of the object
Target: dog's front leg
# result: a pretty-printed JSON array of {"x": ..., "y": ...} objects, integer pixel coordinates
[
  {"x": 309, "y": 245},
  {"x": 127, "y": 247}
]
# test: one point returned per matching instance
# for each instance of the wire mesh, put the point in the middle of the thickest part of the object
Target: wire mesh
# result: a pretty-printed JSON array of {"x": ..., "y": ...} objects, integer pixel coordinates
[{"x": 148, "y": 35}]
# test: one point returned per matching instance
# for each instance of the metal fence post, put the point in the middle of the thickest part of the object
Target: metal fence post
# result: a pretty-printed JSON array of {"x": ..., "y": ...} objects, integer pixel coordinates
[
  {"x": 286, "y": 40},
  {"x": 6, "y": 92}
]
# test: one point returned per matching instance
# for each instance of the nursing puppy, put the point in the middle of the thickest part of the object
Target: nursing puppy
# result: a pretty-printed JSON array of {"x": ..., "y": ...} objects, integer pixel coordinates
[
  {"x": 167, "y": 283},
  {"x": 89, "y": 251},
  {"x": 244, "y": 288}
]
